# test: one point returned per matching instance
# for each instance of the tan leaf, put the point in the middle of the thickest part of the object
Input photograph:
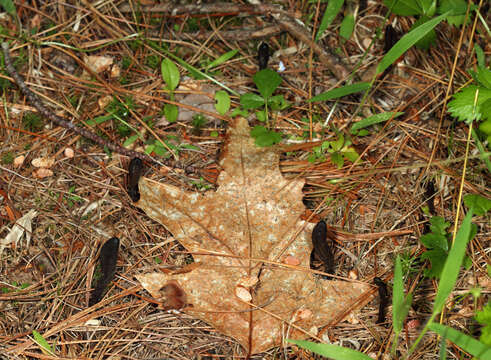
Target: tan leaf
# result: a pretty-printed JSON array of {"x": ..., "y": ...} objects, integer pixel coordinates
[{"x": 243, "y": 230}]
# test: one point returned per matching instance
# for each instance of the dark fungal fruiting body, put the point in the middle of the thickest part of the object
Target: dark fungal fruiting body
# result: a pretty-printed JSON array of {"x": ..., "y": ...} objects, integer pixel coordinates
[
  {"x": 322, "y": 250},
  {"x": 390, "y": 39},
  {"x": 384, "y": 298},
  {"x": 263, "y": 56},
  {"x": 135, "y": 170},
  {"x": 107, "y": 262}
]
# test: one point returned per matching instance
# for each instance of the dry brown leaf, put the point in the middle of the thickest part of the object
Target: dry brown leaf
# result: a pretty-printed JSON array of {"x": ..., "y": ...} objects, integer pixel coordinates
[{"x": 242, "y": 231}]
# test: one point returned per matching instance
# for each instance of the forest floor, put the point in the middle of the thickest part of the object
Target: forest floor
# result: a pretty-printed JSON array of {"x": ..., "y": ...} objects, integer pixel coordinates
[{"x": 72, "y": 193}]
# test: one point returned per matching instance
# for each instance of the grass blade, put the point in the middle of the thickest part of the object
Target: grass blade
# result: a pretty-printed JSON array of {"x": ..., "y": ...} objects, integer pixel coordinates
[
  {"x": 221, "y": 59},
  {"x": 467, "y": 343},
  {"x": 375, "y": 119},
  {"x": 43, "y": 344},
  {"x": 397, "y": 297},
  {"x": 452, "y": 265},
  {"x": 332, "y": 351},
  {"x": 342, "y": 91},
  {"x": 408, "y": 41},
  {"x": 332, "y": 10}
]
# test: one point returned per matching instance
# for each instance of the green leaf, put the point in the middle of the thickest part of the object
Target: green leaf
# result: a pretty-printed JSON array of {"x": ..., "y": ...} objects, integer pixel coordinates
[
  {"x": 435, "y": 241},
  {"x": 332, "y": 10},
  {"x": 485, "y": 126},
  {"x": 332, "y": 351},
  {"x": 374, "y": 119},
  {"x": 429, "y": 39},
  {"x": 462, "y": 106},
  {"x": 9, "y": 7},
  {"x": 454, "y": 7},
  {"x": 130, "y": 140},
  {"x": 149, "y": 149},
  {"x": 337, "y": 144},
  {"x": 251, "y": 101},
  {"x": 452, "y": 265},
  {"x": 347, "y": 26},
  {"x": 481, "y": 62},
  {"x": 43, "y": 344},
  {"x": 337, "y": 159},
  {"x": 340, "y": 92},
  {"x": 484, "y": 318},
  {"x": 267, "y": 81},
  {"x": 170, "y": 74},
  {"x": 222, "y": 102},
  {"x": 484, "y": 77},
  {"x": 223, "y": 58},
  {"x": 439, "y": 225},
  {"x": 264, "y": 137},
  {"x": 437, "y": 258},
  {"x": 407, "y": 41},
  {"x": 404, "y": 7},
  {"x": 351, "y": 154},
  {"x": 278, "y": 103},
  {"x": 478, "y": 203},
  {"x": 171, "y": 111},
  {"x": 463, "y": 341},
  {"x": 261, "y": 115}
]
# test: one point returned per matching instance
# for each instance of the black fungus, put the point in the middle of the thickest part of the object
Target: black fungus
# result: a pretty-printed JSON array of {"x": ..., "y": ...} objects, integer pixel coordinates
[
  {"x": 263, "y": 56},
  {"x": 107, "y": 262},
  {"x": 384, "y": 298},
  {"x": 430, "y": 196},
  {"x": 323, "y": 248},
  {"x": 135, "y": 170}
]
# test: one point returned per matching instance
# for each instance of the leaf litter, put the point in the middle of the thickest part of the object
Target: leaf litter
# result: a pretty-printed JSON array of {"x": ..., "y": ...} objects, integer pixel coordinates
[{"x": 248, "y": 228}]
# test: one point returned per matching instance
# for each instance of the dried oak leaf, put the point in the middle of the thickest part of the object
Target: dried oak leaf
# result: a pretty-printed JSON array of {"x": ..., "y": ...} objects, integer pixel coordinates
[{"x": 243, "y": 230}]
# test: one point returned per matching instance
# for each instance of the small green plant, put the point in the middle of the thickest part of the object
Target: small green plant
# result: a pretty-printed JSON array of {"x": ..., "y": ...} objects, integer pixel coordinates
[
  {"x": 201, "y": 184},
  {"x": 339, "y": 150},
  {"x": 267, "y": 81},
  {"x": 8, "y": 158},
  {"x": 32, "y": 122},
  {"x": 171, "y": 77},
  {"x": 198, "y": 122}
]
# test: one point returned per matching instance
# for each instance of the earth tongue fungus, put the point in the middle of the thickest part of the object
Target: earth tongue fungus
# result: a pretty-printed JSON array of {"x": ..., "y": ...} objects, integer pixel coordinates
[
  {"x": 135, "y": 170},
  {"x": 251, "y": 277},
  {"x": 323, "y": 247},
  {"x": 384, "y": 298},
  {"x": 263, "y": 56},
  {"x": 107, "y": 263}
]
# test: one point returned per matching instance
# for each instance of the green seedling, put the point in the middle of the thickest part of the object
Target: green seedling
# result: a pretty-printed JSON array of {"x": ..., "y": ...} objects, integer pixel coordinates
[
  {"x": 267, "y": 81},
  {"x": 32, "y": 121},
  {"x": 198, "y": 122},
  {"x": 339, "y": 150},
  {"x": 171, "y": 77}
]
